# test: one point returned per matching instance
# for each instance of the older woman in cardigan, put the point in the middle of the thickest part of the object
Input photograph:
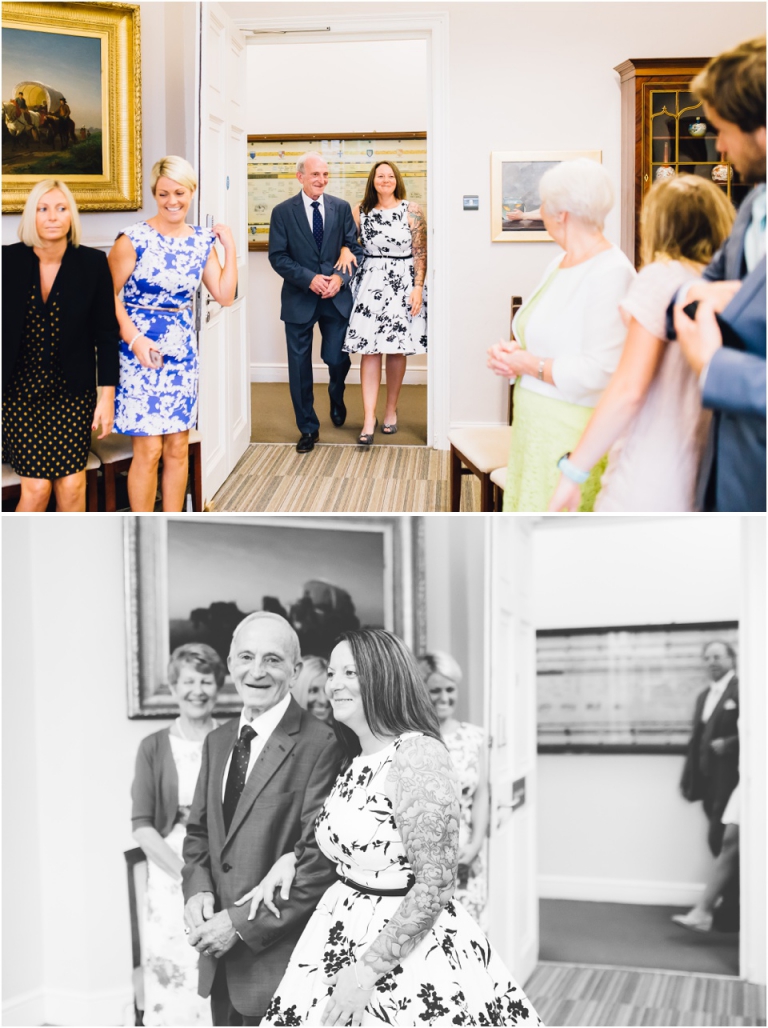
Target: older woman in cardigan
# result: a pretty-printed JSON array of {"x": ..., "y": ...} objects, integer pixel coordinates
[{"x": 167, "y": 766}]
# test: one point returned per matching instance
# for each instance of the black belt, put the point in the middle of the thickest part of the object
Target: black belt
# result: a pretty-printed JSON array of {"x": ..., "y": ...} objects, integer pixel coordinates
[
  {"x": 368, "y": 891},
  {"x": 386, "y": 257}
]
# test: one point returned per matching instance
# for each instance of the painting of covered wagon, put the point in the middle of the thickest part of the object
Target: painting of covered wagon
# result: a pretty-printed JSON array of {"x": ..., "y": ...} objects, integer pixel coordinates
[{"x": 37, "y": 113}]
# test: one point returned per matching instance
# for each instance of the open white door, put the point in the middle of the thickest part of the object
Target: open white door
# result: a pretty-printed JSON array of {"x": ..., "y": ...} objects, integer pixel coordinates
[
  {"x": 510, "y": 694},
  {"x": 225, "y": 396}
]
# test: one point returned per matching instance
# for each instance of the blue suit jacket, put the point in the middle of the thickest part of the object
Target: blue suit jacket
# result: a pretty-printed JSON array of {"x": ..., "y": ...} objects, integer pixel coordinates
[
  {"x": 294, "y": 255},
  {"x": 732, "y": 474}
]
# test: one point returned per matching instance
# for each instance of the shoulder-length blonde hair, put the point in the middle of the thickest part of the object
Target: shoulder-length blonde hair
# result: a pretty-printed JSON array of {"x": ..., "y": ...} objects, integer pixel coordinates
[
  {"x": 311, "y": 668},
  {"x": 27, "y": 230},
  {"x": 177, "y": 168},
  {"x": 685, "y": 218}
]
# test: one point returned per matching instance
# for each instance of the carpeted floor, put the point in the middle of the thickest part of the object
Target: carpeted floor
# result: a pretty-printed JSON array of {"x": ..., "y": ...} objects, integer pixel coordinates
[
  {"x": 272, "y": 419},
  {"x": 336, "y": 479},
  {"x": 631, "y": 935},
  {"x": 571, "y": 994}
]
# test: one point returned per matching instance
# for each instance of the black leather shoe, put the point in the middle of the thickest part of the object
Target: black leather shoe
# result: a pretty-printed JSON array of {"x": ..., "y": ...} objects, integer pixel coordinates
[
  {"x": 307, "y": 442},
  {"x": 338, "y": 413}
]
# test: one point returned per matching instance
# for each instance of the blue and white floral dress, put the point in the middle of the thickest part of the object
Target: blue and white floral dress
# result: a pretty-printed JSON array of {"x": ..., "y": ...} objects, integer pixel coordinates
[
  {"x": 158, "y": 298},
  {"x": 452, "y": 977}
]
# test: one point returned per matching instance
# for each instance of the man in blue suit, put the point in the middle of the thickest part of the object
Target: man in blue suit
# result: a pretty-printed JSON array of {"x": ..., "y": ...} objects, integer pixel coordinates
[
  {"x": 306, "y": 234},
  {"x": 729, "y": 355}
]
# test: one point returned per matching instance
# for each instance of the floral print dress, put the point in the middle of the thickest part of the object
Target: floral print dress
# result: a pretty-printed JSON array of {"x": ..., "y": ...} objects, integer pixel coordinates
[
  {"x": 158, "y": 298},
  {"x": 381, "y": 320},
  {"x": 452, "y": 977},
  {"x": 465, "y": 746},
  {"x": 170, "y": 963}
]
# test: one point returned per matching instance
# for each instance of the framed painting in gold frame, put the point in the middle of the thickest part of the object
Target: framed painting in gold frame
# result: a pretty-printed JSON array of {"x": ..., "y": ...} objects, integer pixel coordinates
[
  {"x": 72, "y": 102},
  {"x": 272, "y": 170},
  {"x": 515, "y": 177}
]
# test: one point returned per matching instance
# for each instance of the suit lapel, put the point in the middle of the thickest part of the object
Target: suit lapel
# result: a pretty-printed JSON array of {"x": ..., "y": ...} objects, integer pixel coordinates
[
  {"x": 330, "y": 219},
  {"x": 301, "y": 219},
  {"x": 269, "y": 761},
  {"x": 224, "y": 747},
  {"x": 736, "y": 250}
]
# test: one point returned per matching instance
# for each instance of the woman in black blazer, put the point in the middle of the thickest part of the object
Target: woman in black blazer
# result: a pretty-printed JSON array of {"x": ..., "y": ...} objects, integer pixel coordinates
[{"x": 59, "y": 323}]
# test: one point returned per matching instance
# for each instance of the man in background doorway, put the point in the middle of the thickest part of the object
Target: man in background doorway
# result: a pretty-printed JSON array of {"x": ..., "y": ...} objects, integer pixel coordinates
[
  {"x": 711, "y": 769},
  {"x": 306, "y": 234}
]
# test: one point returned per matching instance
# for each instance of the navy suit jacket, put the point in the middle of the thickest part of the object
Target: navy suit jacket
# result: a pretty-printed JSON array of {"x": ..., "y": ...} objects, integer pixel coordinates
[
  {"x": 732, "y": 474},
  {"x": 294, "y": 255}
]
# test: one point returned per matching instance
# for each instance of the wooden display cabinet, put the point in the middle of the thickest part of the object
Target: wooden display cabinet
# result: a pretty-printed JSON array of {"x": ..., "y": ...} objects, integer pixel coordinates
[{"x": 665, "y": 132}]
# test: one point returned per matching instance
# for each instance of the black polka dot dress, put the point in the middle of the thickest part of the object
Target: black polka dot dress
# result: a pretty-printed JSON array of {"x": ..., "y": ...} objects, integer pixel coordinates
[{"x": 46, "y": 425}]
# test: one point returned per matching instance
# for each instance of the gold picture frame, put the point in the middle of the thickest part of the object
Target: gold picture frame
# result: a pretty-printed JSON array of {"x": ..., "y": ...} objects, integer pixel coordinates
[
  {"x": 515, "y": 175},
  {"x": 315, "y": 570},
  {"x": 101, "y": 165},
  {"x": 272, "y": 160}
]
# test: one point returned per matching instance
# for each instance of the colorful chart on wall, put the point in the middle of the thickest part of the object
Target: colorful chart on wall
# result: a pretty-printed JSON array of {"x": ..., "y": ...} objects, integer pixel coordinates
[
  {"x": 272, "y": 170},
  {"x": 628, "y": 689}
]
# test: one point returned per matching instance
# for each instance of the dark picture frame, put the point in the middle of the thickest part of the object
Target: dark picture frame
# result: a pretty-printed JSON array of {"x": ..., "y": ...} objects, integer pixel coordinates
[
  {"x": 622, "y": 689},
  {"x": 193, "y": 578}
]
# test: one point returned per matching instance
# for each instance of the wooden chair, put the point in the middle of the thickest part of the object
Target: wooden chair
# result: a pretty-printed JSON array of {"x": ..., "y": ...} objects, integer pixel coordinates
[
  {"x": 479, "y": 451},
  {"x": 498, "y": 481},
  {"x": 136, "y": 866},
  {"x": 116, "y": 454},
  {"x": 12, "y": 483}
]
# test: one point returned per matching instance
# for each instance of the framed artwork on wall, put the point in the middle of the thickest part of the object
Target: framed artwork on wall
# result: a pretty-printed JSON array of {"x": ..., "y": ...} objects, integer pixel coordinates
[
  {"x": 624, "y": 689},
  {"x": 193, "y": 579},
  {"x": 272, "y": 170},
  {"x": 72, "y": 102},
  {"x": 515, "y": 200}
]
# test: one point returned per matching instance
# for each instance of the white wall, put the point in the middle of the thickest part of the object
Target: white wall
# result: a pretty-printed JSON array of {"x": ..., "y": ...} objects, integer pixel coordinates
[
  {"x": 69, "y": 750},
  {"x": 556, "y": 90},
  {"x": 325, "y": 88},
  {"x": 614, "y": 827},
  {"x": 168, "y": 34}
]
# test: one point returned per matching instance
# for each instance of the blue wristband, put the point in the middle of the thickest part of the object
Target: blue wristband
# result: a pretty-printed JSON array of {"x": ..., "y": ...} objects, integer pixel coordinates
[{"x": 571, "y": 471}]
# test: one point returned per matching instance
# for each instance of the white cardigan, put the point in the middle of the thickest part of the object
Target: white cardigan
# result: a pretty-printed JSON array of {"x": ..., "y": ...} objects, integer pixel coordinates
[{"x": 578, "y": 324}]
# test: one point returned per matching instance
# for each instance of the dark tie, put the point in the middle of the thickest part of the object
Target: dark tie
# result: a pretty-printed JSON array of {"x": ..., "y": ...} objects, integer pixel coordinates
[
  {"x": 317, "y": 224},
  {"x": 238, "y": 769}
]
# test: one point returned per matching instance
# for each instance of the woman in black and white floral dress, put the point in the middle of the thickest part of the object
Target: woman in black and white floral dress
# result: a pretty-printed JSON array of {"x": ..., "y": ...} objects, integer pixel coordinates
[
  {"x": 386, "y": 944},
  {"x": 389, "y": 316}
]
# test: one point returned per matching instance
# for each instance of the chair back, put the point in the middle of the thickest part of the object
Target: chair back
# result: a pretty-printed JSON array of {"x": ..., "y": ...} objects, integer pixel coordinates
[
  {"x": 516, "y": 304},
  {"x": 136, "y": 866}
]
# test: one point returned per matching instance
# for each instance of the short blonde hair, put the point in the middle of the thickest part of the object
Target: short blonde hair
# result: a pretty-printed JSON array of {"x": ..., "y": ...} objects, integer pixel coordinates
[
  {"x": 439, "y": 663},
  {"x": 581, "y": 187},
  {"x": 176, "y": 168},
  {"x": 684, "y": 218},
  {"x": 311, "y": 668},
  {"x": 27, "y": 230}
]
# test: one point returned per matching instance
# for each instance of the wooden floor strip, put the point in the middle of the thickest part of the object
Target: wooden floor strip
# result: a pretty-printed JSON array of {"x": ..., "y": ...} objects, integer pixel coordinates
[
  {"x": 336, "y": 478},
  {"x": 568, "y": 994}
]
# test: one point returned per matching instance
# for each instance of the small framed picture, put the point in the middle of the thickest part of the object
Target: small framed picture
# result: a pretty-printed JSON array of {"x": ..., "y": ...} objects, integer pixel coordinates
[{"x": 515, "y": 200}]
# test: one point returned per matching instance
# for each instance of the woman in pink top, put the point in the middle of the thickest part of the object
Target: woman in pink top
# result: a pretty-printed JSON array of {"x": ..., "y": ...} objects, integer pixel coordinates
[{"x": 650, "y": 417}]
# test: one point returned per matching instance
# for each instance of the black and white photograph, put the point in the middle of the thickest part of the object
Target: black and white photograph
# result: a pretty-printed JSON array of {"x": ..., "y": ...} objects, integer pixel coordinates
[{"x": 203, "y": 862}]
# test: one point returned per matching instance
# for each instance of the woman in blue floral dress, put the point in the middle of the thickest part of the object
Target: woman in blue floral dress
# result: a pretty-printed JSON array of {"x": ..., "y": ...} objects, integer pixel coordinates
[
  {"x": 158, "y": 264},
  {"x": 387, "y": 944}
]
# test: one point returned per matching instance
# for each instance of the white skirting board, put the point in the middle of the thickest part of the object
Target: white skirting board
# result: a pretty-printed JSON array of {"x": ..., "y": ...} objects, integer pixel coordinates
[
  {"x": 620, "y": 890},
  {"x": 59, "y": 1006},
  {"x": 279, "y": 373}
]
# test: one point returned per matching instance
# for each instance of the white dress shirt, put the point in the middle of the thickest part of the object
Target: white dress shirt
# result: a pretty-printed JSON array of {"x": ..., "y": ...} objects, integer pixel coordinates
[
  {"x": 263, "y": 725},
  {"x": 716, "y": 690},
  {"x": 754, "y": 237},
  {"x": 308, "y": 201}
]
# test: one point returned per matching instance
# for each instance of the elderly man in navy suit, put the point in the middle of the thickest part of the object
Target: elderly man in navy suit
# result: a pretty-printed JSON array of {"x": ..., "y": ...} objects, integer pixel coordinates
[
  {"x": 729, "y": 356},
  {"x": 306, "y": 235}
]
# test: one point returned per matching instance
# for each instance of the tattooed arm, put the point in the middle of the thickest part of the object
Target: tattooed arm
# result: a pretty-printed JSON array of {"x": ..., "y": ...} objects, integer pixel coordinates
[
  {"x": 418, "y": 226},
  {"x": 422, "y": 786}
]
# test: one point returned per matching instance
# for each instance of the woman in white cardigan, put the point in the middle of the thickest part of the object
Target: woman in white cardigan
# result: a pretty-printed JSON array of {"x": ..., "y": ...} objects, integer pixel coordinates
[{"x": 568, "y": 337}]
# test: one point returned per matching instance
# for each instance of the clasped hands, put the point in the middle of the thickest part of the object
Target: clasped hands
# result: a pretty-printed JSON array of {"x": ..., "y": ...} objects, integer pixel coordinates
[
  {"x": 326, "y": 286},
  {"x": 209, "y": 933},
  {"x": 507, "y": 358}
]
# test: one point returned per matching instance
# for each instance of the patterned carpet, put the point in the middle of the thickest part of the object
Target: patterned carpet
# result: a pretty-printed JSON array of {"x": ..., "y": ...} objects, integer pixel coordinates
[
  {"x": 336, "y": 478},
  {"x": 570, "y": 994}
]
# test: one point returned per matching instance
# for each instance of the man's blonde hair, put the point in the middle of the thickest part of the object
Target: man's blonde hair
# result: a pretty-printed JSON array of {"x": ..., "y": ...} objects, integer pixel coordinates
[
  {"x": 684, "y": 218},
  {"x": 27, "y": 230},
  {"x": 177, "y": 168}
]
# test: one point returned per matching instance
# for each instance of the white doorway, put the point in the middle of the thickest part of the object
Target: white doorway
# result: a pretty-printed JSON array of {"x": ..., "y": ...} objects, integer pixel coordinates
[{"x": 427, "y": 32}]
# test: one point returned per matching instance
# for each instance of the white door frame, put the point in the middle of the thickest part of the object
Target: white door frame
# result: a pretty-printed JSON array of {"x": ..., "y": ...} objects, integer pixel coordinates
[{"x": 434, "y": 29}]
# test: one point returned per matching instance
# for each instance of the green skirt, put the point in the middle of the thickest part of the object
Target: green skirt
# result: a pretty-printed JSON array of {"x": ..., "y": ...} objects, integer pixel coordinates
[{"x": 543, "y": 429}]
